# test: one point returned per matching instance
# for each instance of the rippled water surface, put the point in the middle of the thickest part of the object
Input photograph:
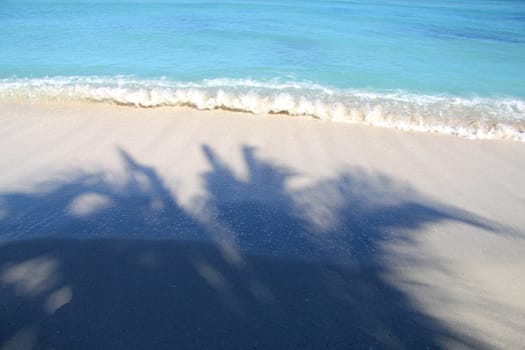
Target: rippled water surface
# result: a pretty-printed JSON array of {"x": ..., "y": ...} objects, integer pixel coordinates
[{"x": 429, "y": 65}]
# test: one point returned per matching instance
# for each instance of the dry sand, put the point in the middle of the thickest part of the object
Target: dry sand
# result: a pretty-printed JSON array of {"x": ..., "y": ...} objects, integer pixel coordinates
[{"x": 149, "y": 228}]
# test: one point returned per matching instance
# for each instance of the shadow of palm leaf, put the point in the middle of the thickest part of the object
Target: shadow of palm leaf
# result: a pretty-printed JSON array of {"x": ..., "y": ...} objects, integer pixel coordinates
[{"x": 87, "y": 263}]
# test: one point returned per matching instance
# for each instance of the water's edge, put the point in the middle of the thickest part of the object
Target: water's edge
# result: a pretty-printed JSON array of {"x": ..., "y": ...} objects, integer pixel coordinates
[{"x": 474, "y": 118}]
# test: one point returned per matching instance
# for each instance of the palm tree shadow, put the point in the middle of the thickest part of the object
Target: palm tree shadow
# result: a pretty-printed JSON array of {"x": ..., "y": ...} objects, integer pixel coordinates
[
  {"x": 90, "y": 264},
  {"x": 348, "y": 217}
]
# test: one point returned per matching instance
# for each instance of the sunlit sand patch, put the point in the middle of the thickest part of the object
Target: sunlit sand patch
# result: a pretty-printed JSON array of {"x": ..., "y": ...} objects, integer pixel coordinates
[
  {"x": 30, "y": 277},
  {"x": 58, "y": 299},
  {"x": 88, "y": 204}
]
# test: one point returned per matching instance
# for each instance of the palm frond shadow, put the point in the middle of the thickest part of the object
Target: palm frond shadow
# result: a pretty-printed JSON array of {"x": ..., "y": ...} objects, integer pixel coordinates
[{"x": 89, "y": 264}]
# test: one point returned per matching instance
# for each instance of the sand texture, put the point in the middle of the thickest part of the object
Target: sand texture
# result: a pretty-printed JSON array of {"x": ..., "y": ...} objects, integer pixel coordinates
[{"x": 164, "y": 228}]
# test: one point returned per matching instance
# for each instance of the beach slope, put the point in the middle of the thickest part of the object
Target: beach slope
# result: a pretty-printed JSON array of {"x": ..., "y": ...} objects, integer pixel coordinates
[{"x": 158, "y": 228}]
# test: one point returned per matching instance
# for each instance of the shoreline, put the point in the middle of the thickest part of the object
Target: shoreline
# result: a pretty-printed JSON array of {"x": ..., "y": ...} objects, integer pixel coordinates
[
  {"x": 427, "y": 226},
  {"x": 471, "y": 117}
]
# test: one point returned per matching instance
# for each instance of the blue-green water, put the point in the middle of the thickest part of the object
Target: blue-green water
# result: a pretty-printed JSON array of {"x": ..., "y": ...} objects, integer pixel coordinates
[{"x": 453, "y": 66}]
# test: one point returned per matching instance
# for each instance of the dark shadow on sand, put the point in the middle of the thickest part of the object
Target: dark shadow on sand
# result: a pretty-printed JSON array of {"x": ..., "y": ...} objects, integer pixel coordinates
[{"x": 85, "y": 264}]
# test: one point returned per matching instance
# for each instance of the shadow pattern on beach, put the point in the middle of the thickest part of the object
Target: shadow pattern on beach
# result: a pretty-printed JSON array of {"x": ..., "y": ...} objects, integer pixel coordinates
[{"x": 89, "y": 264}]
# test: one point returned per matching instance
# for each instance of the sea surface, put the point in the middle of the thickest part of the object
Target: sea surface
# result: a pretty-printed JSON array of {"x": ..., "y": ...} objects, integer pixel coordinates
[{"x": 455, "y": 67}]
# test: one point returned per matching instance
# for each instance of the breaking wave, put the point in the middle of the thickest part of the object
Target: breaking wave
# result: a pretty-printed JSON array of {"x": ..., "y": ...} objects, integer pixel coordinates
[{"x": 477, "y": 118}]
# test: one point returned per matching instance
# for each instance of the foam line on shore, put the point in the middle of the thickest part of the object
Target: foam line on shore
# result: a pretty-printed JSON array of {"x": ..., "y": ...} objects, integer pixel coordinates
[{"x": 476, "y": 118}]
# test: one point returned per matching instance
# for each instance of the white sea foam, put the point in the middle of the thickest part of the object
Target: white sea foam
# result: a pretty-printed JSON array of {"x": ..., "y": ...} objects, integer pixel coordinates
[{"x": 468, "y": 117}]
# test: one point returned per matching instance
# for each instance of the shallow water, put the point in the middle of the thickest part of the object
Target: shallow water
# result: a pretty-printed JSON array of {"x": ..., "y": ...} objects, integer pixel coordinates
[{"x": 450, "y": 66}]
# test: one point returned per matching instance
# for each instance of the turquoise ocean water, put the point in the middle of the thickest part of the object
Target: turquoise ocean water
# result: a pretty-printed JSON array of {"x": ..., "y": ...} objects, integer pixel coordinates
[{"x": 443, "y": 66}]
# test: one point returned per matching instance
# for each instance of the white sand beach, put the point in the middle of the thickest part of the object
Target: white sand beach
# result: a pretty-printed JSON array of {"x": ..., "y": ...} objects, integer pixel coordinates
[{"x": 259, "y": 231}]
